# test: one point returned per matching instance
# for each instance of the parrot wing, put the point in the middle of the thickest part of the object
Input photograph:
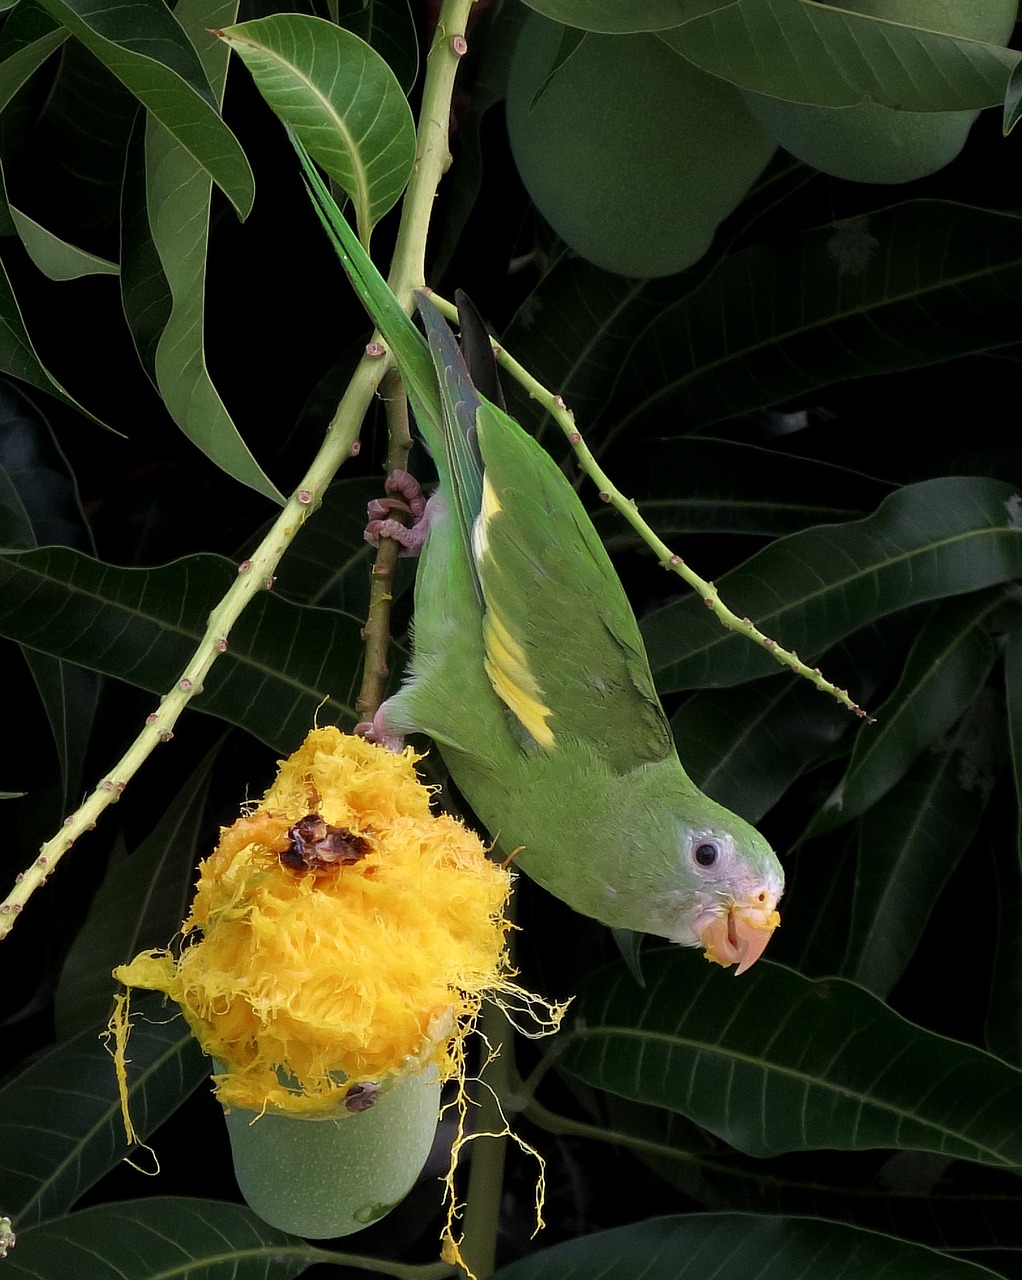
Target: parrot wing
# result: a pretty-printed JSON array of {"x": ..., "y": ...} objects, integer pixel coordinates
[
  {"x": 563, "y": 650},
  {"x": 562, "y": 647}
]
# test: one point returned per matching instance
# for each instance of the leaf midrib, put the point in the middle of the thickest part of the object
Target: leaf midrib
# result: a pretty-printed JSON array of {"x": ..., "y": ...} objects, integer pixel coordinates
[{"x": 766, "y": 1067}]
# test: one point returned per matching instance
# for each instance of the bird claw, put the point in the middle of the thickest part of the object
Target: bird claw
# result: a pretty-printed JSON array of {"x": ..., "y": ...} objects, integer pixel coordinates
[
  {"x": 375, "y": 731},
  {"x": 411, "y": 501}
]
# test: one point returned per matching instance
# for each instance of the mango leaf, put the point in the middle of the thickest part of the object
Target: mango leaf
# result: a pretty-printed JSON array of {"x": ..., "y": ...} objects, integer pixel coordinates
[
  {"x": 162, "y": 1237},
  {"x": 165, "y": 264},
  {"x": 624, "y": 16},
  {"x": 60, "y": 1119},
  {"x": 140, "y": 904},
  {"x": 494, "y": 31},
  {"x": 910, "y": 285},
  {"x": 854, "y": 1076},
  {"x": 329, "y": 562},
  {"x": 144, "y": 46},
  {"x": 58, "y": 259},
  {"x": 572, "y": 332},
  {"x": 817, "y": 905},
  {"x": 945, "y": 1204},
  {"x": 576, "y": 330},
  {"x": 768, "y": 1248},
  {"x": 808, "y": 52},
  {"x": 927, "y": 541},
  {"x": 745, "y": 747},
  {"x": 18, "y": 356},
  {"x": 911, "y": 841},
  {"x": 285, "y": 664},
  {"x": 341, "y": 99},
  {"x": 388, "y": 26},
  {"x": 695, "y": 485},
  {"x": 145, "y": 292},
  {"x": 1013, "y": 101},
  {"x": 39, "y": 504},
  {"x": 944, "y": 672},
  {"x": 28, "y": 38},
  {"x": 1004, "y": 1015}
]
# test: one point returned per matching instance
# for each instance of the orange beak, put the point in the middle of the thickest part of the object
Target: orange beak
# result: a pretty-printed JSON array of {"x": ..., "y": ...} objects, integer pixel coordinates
[{"x": 737, "y": 933}]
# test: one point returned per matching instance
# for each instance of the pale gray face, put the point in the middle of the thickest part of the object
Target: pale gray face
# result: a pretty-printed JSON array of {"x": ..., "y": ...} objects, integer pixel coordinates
[{"x": 732, "y": 908}]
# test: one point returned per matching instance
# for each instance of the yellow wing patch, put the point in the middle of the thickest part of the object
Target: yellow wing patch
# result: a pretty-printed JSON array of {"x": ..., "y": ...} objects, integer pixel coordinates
[
  {"x": 489, "y": 507},
  {"x": 505, "y": 662},
  {"x": 513, "y": 682}
]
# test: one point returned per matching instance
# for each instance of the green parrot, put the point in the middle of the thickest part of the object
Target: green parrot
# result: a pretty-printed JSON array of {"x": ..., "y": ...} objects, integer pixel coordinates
[{"x": 529, "y": 672}]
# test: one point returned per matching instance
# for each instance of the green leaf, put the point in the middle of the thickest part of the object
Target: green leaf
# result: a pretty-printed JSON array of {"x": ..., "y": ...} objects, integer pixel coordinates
[
  {"x": 1004, "y": 1015},
  {"x": 698, "y": 1245},
  {"x": 576, "y": 330},
  {"x": 911, "y": 285},
  {"x": 39, "y": 503},
  {"x": 950, "y": 1205},
  {"x": 909, "y": 844},
  {"x": 329, "y": 563},
  {"x": 927, "y": 541},
  {"x": 176, "y": 224},
  {"x": 1012, "y": 101},
  {"x": 388, "y": 26},
  {"x": 142, "y": 43},
  {"x": 341, "y": 99},
  {"x": 694, "y": 485},
  {"x": 808, "y": 52},
  {"x": 145, "y": 292},
  {"x": 624, "y": 16},
  {"x": 494, "y": 30},
  {"x": 28, "y": 38},
  {"x": 139, "y": 905},
  {"x": 160, "y": 1238},
  {"x": 944, "y": 672},
  {"x": 780, "y": 1063},
  {"x": 745, "y": 747},
  {"x": 284, "y": 666},
  {"x": 56, "y": 258},
  {"x": 18, "y": 356},
  {"x": 60, "y": 1120}
]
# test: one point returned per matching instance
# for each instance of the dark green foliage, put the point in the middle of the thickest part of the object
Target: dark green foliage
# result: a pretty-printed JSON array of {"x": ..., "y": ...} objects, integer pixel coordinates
[{"x": 821, "y": 415}]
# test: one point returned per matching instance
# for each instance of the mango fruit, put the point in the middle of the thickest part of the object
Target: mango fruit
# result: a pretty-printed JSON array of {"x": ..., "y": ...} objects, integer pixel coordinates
[
  {"x": 633, "y": 155},
  {"x": 870, "y": 142}
]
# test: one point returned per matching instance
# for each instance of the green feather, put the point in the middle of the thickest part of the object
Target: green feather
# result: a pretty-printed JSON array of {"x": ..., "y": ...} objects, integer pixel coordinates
[{"x": 529, "y": 672}]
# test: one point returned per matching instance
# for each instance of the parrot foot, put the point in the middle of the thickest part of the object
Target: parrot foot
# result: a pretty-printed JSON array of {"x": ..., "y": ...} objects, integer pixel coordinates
[
  {"x": 375, "y": 730},
  {"x": 410, "y": 501}
]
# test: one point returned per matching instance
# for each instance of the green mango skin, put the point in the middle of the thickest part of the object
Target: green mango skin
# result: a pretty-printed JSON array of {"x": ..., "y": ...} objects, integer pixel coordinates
[
  {"x": 633, "y": 155},
  {"x": 873, "y": 143},
  {"x": 327, "y": 1178}
]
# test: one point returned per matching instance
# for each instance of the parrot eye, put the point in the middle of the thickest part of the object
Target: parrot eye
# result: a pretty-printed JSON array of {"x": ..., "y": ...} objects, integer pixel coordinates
[{"x": 706, "y": 853}]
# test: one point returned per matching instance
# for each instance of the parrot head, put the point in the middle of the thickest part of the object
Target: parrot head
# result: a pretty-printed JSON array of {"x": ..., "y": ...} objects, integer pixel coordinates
[{"x": 733, "y": 909}]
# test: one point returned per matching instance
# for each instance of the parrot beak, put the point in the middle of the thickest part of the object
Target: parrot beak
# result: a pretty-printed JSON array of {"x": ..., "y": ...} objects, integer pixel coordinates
[{"x": 737, "y": 932}]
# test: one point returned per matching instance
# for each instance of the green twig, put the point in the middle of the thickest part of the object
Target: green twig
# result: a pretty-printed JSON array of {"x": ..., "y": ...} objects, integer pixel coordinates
[{"x": 626, "y": 507}]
